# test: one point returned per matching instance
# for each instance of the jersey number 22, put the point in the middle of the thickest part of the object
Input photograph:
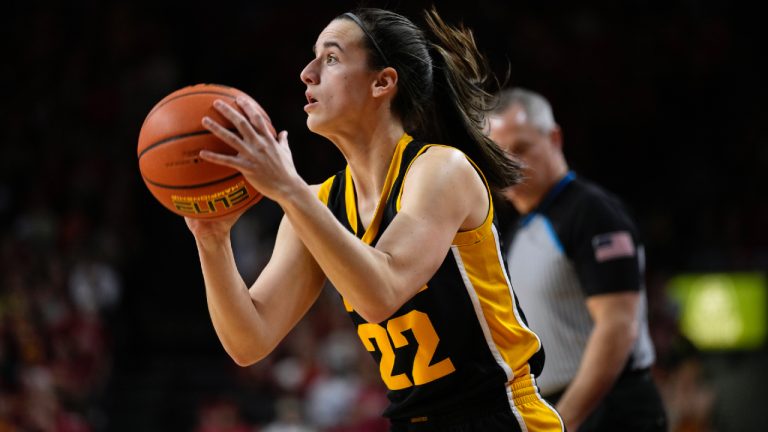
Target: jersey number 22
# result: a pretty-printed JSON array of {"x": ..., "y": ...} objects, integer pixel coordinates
[{"x": 427, "y": 339}]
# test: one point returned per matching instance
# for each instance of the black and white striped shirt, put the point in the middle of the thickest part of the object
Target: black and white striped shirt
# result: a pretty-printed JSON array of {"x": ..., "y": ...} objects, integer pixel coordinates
[{"x": 579, "y": 242}]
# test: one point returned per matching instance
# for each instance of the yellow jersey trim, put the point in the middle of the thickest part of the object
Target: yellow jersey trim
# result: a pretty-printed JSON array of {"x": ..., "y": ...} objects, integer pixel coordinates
[
  {"x": 483, "y": 270},
  {"x": 394, "y": 169},
  {"x": 325, "y": 190},
  {"x": 349, "y": 198}
]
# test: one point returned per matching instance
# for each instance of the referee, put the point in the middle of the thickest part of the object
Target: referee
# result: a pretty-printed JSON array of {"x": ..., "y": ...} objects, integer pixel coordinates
[{"x": 577, "y": 267}]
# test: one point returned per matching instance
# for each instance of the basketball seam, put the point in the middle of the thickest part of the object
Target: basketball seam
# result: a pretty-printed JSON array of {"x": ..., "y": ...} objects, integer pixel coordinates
[
  {"x": 178, "y": 137},
  {"x": 210, "y": 183}
]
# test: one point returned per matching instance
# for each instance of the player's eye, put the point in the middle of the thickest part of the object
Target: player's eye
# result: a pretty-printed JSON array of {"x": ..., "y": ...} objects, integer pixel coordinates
[{"x": 331, "y": 59}]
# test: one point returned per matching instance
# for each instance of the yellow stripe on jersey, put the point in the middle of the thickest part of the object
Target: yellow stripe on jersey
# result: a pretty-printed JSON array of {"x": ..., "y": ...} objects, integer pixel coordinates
[
  {"x": 349, "y": 198},
  {"x": 508, "y": 338},
  {"x": 325, "y": 190},
  {"x": 483, "y": 268},
  {"x": 530, "y": 408},
  {"x": 394, "y": 170}
]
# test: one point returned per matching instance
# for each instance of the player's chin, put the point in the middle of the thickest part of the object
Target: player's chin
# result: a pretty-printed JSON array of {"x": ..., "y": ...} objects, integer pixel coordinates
[
  {"x": 314, "y": 124},
  {"x": 311, "y": 124}
]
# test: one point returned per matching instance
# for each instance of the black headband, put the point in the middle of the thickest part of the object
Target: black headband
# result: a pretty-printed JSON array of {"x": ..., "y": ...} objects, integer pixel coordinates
[{"x": 360, "y": 24}]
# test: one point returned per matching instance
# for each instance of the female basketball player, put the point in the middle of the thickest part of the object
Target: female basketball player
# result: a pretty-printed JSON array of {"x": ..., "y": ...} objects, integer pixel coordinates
[{"x": 405, "y": 233}]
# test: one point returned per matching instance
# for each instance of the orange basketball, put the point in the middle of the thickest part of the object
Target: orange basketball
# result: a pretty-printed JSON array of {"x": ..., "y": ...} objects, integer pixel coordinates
[{"x": 169, "y": 143}]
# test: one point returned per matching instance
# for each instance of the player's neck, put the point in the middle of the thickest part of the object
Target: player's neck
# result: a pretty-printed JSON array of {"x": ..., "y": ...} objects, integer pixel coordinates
[{"x": 369, "y": 158}]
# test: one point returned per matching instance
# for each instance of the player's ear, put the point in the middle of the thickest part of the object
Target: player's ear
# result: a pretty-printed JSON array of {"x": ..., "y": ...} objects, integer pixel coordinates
[{"x": 385, "y": 83}]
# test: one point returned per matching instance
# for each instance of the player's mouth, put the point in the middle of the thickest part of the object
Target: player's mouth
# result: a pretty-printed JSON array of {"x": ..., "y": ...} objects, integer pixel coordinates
[{"x": 311, "y": 101}]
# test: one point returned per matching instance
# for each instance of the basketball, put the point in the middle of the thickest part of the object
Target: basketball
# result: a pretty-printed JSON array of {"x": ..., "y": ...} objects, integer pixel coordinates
[{"x": 170, "y": 140}]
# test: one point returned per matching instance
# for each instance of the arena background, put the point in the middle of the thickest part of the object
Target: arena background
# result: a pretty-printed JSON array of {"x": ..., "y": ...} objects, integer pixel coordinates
[{"x": 103, "y": 322}]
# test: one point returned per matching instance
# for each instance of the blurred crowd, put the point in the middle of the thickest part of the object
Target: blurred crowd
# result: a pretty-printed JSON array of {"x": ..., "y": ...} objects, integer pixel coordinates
[
  {"x": 56, "y": 304},
  {"x": 319, "y": 379},
  {"x": 102, "y": 313}
]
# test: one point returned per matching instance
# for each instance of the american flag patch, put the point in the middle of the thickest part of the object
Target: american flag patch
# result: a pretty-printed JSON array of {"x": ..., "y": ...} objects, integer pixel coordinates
[{"x": 609, "y": 246}]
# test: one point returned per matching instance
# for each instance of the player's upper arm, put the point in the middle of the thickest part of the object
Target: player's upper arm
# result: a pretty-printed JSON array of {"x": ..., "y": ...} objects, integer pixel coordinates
[{"x": 442, "y": 194}]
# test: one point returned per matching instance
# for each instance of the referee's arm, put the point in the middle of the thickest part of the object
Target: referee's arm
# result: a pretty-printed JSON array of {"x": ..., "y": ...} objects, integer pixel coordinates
[
  {"x": 613, "y": 335},
  {"x": 607, "y": 259}
]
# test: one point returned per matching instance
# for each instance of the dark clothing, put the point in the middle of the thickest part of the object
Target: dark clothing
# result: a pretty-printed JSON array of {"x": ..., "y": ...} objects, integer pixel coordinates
[
  {"x": 581, "y": 242},
  {"x": 632, "y": 405},
  {"x": 459, "y": 342},
  {"x": 502, "y": 420}
]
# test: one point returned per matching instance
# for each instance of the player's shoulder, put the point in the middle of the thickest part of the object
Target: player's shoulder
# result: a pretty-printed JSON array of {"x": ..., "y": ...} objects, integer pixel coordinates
[
  {"x": 442, "y": 171},
  {"x": 440, "y": 159}
]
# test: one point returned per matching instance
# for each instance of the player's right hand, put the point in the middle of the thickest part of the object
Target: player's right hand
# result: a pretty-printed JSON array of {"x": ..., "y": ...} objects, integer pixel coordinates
[{"x": 219, "y": 228}]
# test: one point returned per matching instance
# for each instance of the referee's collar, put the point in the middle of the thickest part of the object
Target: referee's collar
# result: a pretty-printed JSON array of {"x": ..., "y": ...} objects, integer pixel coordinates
[{"x": 549, "y": 197}]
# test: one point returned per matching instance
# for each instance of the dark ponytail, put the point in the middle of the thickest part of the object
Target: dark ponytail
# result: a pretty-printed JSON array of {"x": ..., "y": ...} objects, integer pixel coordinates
[
  {"x": 442, "y": 95},
  {"x": 462, "y": 103}
]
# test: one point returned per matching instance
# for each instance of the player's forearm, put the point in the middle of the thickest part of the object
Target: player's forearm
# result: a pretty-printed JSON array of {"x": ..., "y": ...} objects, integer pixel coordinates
[
  {"x": 604, "y": 358},
  {"x": 358, "y": 271},
  {"x": 232, "y": 311}
]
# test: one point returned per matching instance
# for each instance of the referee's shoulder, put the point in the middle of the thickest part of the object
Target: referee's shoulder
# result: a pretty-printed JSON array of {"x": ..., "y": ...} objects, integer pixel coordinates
[{"x": 595, "y": 201}]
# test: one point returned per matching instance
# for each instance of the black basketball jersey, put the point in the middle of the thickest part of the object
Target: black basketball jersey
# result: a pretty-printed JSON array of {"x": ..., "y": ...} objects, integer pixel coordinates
[{"x": 461, "y": 343}]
